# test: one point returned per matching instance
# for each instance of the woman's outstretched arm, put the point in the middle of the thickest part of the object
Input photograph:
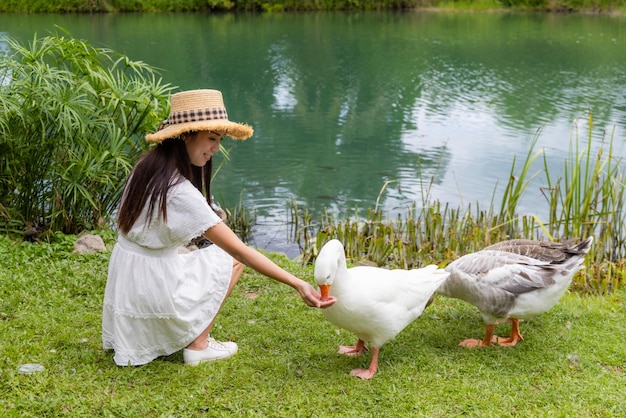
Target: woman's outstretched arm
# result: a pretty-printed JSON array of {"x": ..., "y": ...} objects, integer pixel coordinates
[{"x": 226, "y": 239}]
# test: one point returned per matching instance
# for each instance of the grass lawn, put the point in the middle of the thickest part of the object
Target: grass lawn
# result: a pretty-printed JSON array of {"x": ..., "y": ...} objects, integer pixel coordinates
[{"x": 571, "y": 363}]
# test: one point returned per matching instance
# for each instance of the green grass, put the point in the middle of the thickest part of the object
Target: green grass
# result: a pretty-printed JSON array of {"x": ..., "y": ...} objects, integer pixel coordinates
[{"x": 571, "y": 362}]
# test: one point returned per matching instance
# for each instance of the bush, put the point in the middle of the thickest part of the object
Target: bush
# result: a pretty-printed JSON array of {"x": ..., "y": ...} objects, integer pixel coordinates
[{"x": 71, "y": 124}]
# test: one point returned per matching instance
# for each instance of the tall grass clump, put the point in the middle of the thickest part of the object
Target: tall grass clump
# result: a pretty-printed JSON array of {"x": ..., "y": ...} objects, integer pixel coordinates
[
  {"x": 72, "y": 119},
  {"x": 586, "y": 198},
  {"x": 241, "y": 220}
]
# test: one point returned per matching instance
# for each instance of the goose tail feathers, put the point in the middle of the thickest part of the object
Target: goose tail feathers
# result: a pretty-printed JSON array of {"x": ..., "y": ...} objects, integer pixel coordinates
[{"x": 584, "y": 246}]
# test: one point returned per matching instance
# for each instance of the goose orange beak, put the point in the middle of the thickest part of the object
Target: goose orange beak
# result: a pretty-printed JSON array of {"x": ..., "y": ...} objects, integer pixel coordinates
[{"x": 325, "y": 290}]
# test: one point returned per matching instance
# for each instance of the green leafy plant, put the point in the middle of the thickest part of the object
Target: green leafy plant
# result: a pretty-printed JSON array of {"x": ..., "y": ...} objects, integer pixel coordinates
[{"x": 71, "y": 127}]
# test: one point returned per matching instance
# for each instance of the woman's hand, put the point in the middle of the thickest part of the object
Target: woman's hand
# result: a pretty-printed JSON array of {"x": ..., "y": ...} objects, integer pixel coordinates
[{"x": 311, "y": 297}]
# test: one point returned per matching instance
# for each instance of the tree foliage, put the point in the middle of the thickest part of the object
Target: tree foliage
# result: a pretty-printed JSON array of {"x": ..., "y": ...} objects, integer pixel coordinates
[
  {"x": 103, "y": 6},
  {"x": 106, "y": 6}
]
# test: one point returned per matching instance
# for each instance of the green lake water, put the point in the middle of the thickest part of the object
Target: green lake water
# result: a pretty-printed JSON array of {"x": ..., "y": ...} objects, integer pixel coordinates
[{"x": 437, "y": 104}]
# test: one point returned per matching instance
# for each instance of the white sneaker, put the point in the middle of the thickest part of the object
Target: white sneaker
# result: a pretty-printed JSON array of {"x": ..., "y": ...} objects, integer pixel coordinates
[
  {"x": 216, "y": 350},
  {"x": 228, "y": 344}
]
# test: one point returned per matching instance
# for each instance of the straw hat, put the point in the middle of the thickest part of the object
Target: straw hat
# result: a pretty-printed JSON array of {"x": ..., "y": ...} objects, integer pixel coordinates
[{"x": 198, "y": 110}]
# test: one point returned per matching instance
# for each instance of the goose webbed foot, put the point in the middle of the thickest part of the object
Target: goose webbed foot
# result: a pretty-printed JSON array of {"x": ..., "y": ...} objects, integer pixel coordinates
[
  {"x": 353, "y": 350},
  {"x": 515, "y": 336},
  {"x": 485, "y": 342},
  {"x": 368, "y": 373}
]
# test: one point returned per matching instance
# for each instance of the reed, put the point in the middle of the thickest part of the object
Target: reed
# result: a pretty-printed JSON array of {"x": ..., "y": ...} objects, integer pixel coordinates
[
  {"x": 241, "y": 220},
  {"x": 585, "y": 199},
  {"x": 588, "y": 199}
]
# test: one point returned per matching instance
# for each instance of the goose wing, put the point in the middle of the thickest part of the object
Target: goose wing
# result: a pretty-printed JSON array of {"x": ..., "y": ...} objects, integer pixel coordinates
[
  {"x": 503, "y": 270},
  {"x": 376, "y": 304}
]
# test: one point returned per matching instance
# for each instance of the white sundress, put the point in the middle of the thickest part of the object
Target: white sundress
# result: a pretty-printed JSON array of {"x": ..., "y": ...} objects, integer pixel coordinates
[{"x": 157, "y": 301}]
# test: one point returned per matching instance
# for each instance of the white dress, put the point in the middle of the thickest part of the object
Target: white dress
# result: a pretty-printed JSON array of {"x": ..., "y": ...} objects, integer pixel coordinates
[{"x": 157, "y": 301}]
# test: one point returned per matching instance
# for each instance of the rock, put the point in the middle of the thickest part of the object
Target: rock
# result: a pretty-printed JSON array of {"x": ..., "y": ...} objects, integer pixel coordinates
[
  {"x": 31, "y": 234},
  {"x": 89, "y": 244},
  {"x": 30, "y": 368}
]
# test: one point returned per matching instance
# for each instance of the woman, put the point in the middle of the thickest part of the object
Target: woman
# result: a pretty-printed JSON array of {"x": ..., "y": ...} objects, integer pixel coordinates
[{"x": 158, "y": 301}]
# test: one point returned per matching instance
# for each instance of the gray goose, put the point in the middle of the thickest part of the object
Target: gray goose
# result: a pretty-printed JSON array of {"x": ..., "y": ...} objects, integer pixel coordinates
[{"x": 513, "y": 280}]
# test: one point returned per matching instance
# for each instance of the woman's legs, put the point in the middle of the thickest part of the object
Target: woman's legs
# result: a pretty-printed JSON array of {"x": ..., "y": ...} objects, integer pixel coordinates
[{"x": 201, "y": 342}]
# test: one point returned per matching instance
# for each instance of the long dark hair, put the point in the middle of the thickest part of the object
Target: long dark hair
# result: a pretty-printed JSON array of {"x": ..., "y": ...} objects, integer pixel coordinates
[{"x": 164, "y": 166}]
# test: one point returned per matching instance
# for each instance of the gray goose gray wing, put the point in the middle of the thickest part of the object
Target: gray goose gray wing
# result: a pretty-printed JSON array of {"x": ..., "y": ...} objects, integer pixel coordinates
[{"x": 553, "y": 252}]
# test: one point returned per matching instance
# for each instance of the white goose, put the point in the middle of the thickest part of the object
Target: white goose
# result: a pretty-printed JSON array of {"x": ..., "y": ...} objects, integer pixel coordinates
[
  {"x": 513, "y": 280},
  {"x": 373, "y": 303}
]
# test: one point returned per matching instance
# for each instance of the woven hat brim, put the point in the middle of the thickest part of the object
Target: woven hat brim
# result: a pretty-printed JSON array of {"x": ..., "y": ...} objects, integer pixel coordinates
[{"x": 233, "y": 129}]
